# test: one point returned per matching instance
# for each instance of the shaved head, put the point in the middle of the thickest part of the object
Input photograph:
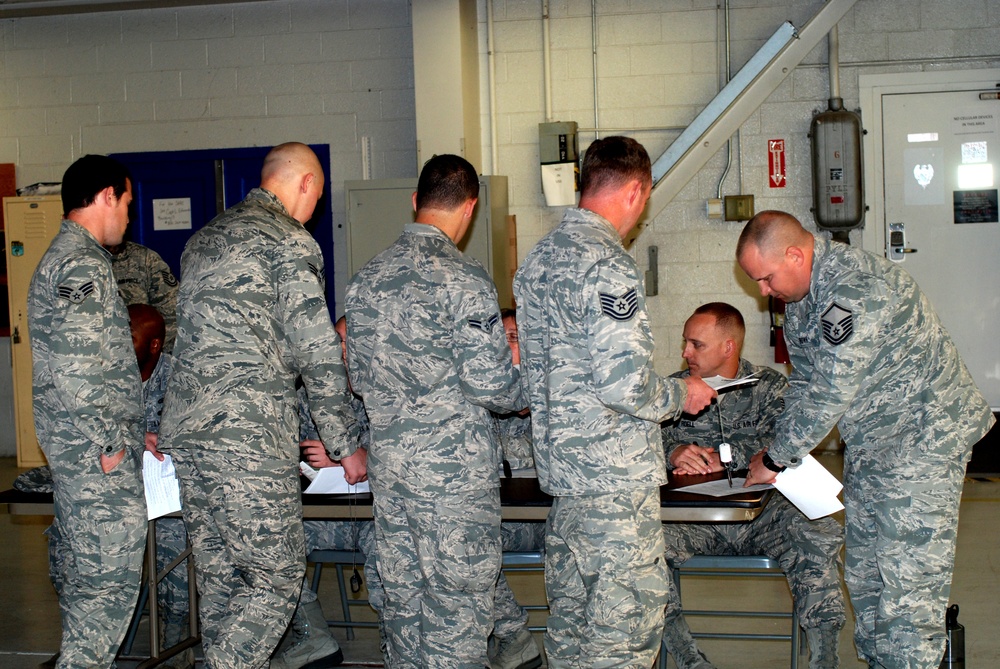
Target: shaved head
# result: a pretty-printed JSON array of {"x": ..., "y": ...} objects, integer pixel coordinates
[
  {"x": 777, "y": 253},
  {"x": 293, "y": 173},
  {"x": 772, "y": 232}
]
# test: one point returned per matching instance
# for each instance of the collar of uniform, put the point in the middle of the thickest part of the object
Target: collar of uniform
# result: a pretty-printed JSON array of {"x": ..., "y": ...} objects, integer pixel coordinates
[
  {"x": 427, "y": 231},
  {"x": 745, "y": 369},
  {"x": 267, "y": 199},
  {"x": 821, "y": 250},
  {"x": 594, "y": 221},
  {"x": 72, "y": 227}
]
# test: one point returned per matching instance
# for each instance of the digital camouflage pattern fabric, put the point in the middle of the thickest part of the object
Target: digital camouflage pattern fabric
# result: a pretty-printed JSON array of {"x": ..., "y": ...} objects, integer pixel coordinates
[
  {"x": 428, "y": 354},
  {"x": 808, "y": 551},
  {"x": 251, "y": 319},
  {"x": 144, "y": 278},
  {"x": 596, "y": 403},
  {"x": 870, "y": 355},
  {"x": 87, "y": 402}
]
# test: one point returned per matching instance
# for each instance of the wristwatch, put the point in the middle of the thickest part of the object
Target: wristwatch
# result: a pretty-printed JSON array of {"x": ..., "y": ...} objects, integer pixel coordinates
[{"x": 771, "y": 464}]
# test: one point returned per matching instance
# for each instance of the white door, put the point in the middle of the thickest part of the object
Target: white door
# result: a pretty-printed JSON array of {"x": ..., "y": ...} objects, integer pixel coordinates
[{"x": 940, "y": 177}]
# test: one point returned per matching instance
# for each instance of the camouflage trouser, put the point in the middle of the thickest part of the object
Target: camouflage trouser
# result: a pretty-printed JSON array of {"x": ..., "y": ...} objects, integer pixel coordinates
[
  {"x": 96, "y": 558},
  {"x": 606, "y": 578},
  {"x": 808, "y": 552},
  {"x": 172, "y": 595},
  {"x": 508, "y": 616},
  {"x": 438, "y": 559},
  {"x": 901, "y": 530},
  {"x": 244, "y": 520}
]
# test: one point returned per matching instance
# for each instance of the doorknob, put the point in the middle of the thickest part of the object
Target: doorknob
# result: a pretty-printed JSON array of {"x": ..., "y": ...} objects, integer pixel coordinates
[{"x": 896, "y": 244}]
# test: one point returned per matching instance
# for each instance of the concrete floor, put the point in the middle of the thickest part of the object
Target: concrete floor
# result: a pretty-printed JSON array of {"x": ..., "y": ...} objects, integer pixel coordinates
[{"x": 29, "y": 618}]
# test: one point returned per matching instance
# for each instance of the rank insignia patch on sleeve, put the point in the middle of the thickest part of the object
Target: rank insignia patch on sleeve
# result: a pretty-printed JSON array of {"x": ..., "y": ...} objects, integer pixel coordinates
[
  {"x": 320, "y": 274},
  {"x": 485, "y": 325},
  {"x": 620, "y": 307},
  {"x": 838, "y": 324},
  {"x": 78, "y": 294},
  {"x": 168, "y": 278}
]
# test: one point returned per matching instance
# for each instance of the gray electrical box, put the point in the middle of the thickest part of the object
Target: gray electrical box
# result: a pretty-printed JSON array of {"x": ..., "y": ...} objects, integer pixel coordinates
[
  {"x": 838, "y": 195},
  {"x": 557, "y": 142},
  {"x": 378, "y": 209}
]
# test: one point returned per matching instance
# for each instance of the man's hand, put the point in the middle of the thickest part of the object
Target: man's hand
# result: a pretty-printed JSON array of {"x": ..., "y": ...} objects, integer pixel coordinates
[
  {"x": 109, "y": 462},
  {"x": 695, "y": 459},
  {"x": 151, "y": 441},
  {"x": 315, "y": 455},
  {"x": 699, "y": 396},
  {"x": 356, "y": 466},
  {"x": 757, "y": 473}
]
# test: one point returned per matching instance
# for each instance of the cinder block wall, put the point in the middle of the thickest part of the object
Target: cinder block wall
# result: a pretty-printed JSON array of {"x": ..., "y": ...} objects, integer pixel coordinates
[
  {"x": 334, "y": 71},
  {"x": 657, "y": 65}
]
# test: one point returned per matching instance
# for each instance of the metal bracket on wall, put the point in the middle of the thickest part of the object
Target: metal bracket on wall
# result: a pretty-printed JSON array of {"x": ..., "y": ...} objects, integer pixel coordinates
[{"x": 653, "y": 273}]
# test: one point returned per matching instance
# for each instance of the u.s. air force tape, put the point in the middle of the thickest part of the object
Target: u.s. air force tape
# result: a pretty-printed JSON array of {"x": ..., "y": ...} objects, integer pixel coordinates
[
  {"x": 838, "y": 324},
  {"x": 486, "y": 325},
  {"x": 76, "y": 294},
  {"x": 620, "y": 307}
]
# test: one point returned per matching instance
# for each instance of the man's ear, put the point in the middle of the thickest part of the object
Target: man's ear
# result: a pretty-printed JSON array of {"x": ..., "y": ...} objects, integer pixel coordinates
[
  {"x": 306, "y": 183},
  {"x": 155, "y": 346},
  {"x": 795, "y": 255}
]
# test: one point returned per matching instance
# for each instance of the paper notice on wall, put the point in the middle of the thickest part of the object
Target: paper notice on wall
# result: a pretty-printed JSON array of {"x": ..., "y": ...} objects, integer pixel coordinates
[
  {"x": 811, "y": 488},
  {"x": 559, "y": 184},
  {"x": 172, "y": 213}
]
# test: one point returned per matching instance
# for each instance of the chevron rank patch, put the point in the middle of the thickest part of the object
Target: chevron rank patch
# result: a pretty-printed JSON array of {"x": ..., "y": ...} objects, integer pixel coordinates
[
  {"x": 168, "y": 278},
  {"x": 838, "y": 324},
  {"x": 76, "y": 294},
  {"x": 620, "y": 307},
  {"x": 486, "y": 325},
  {"x": 320, "y": 273}
]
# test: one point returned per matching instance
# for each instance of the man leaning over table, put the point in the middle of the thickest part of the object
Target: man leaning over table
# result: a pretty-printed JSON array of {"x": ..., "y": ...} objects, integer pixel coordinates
[{"x": 808, "y": 551}]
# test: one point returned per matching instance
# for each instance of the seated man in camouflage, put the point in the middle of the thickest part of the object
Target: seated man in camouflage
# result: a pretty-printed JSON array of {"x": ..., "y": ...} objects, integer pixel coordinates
[{"x": 808, "y": 551}]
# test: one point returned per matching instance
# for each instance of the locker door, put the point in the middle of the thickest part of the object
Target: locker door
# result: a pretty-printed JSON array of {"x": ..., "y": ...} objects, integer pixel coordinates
[{"x": 31, "y": 224}]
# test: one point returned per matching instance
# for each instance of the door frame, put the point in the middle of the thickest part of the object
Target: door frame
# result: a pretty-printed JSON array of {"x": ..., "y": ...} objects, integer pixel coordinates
[{"x": 871, "y": 88}]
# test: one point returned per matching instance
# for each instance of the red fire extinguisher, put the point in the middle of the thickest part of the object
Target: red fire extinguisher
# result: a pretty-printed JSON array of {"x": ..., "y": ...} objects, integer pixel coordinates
[{"x": 776, "y": 306}]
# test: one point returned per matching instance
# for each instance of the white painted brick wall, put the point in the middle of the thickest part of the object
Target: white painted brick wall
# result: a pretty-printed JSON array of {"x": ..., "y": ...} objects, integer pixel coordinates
[
  {"x": 336, "y": 70},
  {"x": 657, "y": 66}
]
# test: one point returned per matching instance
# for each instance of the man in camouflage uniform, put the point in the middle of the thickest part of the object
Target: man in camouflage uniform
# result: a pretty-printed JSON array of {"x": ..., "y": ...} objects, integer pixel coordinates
[
  {"x": 427, "y": 353},
  {"x": 596, "y": 404},
  {"x": 251, "y": 318},
  {"x": 88, "y": 416},
  {"x": 144, "y": 278},
  {"x": 870, "y": 355},
  {"x": 808, "y": 551}
]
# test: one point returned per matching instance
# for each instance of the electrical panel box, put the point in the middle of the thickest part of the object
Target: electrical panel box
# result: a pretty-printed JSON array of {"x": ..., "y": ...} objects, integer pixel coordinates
[
  {"x": 838, "y": 194},
  {"x": 378, "y": 209},
  {"x": 557, "y": 142},
  {"x": 31, "y": 223}
]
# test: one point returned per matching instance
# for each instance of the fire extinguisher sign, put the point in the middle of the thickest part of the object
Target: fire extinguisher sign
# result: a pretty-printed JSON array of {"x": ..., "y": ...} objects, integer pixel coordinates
[{"x": 776, "y": 163}]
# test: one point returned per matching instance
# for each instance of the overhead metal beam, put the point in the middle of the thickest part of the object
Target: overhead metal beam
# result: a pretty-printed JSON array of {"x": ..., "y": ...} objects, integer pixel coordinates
[{"x": 723, "y": 118}]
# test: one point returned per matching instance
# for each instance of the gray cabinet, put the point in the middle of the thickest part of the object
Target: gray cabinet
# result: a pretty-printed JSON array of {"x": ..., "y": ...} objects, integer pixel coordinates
[{"x": 377, "y": 210}]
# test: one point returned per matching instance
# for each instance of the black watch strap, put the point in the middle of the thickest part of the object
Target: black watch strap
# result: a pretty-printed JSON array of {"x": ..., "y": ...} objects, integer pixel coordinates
[{"x": 771, "y": 464}]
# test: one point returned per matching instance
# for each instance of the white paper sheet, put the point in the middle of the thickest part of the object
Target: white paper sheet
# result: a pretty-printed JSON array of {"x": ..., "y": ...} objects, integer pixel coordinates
[
  {"x": 163, "y": 492},
  {"x": 720, "y": 488},
  {"x": 720, "y": 383},
  {"x": 559, "y": 185},
  {"x": 811, "y": 488},
  {"x": 329, "y": 481}
]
